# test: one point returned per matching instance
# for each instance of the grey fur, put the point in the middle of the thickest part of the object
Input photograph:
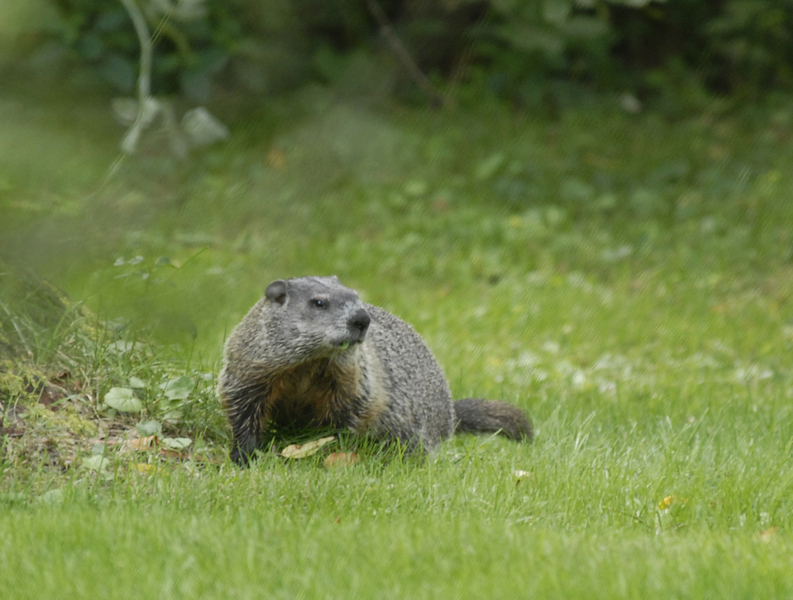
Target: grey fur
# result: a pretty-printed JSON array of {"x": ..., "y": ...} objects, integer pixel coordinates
[{"x": 311, "y": 354}]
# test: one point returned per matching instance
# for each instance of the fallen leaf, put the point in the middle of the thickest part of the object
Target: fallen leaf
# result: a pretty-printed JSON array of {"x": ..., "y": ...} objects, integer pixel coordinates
[
  {"x": 174, "y": 454},
  {"x": 307, "y": 449},
  {"x": 341, "y": 459},
  {"x": 440, "y": 205},
  {"x": 140, "y": 444},
  {"x": 768, "y": 534},
  {"x": 276, "y": 158}
]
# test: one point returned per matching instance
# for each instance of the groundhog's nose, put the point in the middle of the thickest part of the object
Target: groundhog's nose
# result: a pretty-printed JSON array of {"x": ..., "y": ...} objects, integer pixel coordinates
[{"x": 359, "y": 323}]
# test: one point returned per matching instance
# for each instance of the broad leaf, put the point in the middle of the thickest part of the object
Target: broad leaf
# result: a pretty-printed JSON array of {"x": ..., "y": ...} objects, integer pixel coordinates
[
  {"x": 176, "y": 443},
  {"x": 147, "y": 428},
  {"x": 136, "y": 383},
  {"x": 123, "y": 400},
  {"x": 96, "y": 463},
  {"x": 178, "y": 389}
]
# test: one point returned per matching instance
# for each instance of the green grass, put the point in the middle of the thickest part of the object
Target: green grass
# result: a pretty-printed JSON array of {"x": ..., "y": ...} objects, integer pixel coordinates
[
  {"x": 250, "y": 555},
  {"x": 627, "y": 280}
]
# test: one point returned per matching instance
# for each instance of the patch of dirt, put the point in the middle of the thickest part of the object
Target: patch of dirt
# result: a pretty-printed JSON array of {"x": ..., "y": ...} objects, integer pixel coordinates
[{"x": 44, "y": 419}]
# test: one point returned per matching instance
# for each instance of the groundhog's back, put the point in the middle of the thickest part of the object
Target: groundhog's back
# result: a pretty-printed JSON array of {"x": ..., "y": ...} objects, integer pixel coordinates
[{"x": 420, "y": 403}]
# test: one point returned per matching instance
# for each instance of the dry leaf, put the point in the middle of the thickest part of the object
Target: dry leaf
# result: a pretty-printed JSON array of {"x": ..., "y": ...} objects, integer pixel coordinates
[
  {"x": 140, "y": 444},
  {"x": 307, "y": 449},
  {"x": 341, "y": 459},
  {"x": 768, "y": 534},
  {"x": 276, "y": 158},
  {"x": 168, "y": 453}
]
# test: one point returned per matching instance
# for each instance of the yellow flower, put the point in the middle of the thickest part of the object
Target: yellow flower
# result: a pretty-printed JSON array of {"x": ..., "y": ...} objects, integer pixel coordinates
[{"x": 668, "y": 501}]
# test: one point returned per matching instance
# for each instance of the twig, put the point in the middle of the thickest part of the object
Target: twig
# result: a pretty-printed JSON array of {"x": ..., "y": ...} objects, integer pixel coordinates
[
  {"x": 144, "y": 78},
  {"x": 403, "y": 55},
  {"x": 634, "y": 517}
]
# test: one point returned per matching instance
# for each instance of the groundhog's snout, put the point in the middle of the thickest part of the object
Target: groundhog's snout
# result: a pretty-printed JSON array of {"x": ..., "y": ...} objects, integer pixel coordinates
[{"x": 359, "y": 323}]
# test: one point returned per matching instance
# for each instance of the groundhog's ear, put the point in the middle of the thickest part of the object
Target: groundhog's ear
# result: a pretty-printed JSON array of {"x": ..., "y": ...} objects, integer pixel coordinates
[{"x": 276, "y": 291}]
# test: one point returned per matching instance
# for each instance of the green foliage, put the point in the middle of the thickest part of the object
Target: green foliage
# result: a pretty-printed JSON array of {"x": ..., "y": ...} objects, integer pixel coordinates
[
  {"x": 193, "y": 42},
  {"x": 527, "y": 43},
  {"x": 537, "y": 53},
  {"x": 256, "y": 47},
  {"x": 123, "y": 400},
  {"x": 754, "y": 44},
  {"x": 655, "y": 48}
]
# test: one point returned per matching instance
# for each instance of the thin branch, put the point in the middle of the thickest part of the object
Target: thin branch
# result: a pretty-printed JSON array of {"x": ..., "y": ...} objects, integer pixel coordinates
[
  {"x": 144, "y": 78},
  {"x": 144, "y": 81},
  {"x": 403, "y": 55},
  {"x": 634, "y": 517}
]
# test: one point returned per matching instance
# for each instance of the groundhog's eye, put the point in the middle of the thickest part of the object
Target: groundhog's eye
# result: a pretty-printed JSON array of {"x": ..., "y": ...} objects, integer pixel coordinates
[{"x": 319, "y": 303}]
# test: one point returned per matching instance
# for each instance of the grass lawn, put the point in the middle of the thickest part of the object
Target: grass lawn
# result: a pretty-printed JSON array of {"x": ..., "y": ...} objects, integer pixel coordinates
[{"x": 626, "y": 279}]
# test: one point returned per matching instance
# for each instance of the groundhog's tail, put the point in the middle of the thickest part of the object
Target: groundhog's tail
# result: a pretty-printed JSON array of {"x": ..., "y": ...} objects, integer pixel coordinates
[{"x": 489, "y": 416}]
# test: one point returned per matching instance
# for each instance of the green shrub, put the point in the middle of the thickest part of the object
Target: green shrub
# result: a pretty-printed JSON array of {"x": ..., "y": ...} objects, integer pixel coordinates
[{"x": 518, "y": 49}]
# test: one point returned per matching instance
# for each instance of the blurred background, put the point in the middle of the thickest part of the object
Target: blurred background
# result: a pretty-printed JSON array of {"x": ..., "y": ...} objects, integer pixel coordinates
[{"x": 162, "y": 160}]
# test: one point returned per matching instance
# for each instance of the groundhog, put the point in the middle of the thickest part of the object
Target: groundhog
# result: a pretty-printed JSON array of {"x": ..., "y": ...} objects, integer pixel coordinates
[{"x": 310, "y": 354}]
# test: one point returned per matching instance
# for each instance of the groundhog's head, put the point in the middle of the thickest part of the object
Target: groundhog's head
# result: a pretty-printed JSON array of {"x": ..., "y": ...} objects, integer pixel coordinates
[{"x": 315, "y": 316}]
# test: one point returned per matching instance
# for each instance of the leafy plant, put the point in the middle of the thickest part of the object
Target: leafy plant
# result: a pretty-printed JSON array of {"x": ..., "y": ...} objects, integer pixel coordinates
[
  {"x": 519, "y": 49},
  {"x": 193, "y": 42}
]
